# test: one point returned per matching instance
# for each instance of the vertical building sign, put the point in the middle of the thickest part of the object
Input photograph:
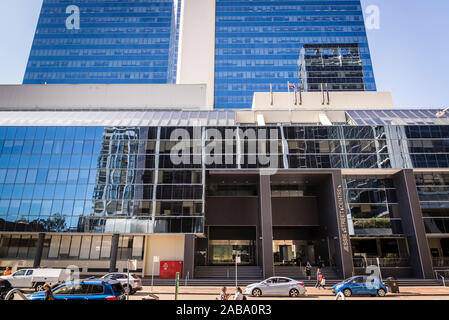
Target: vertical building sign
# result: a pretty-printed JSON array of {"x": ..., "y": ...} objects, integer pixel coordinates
[{"x": 342, "y": 220}]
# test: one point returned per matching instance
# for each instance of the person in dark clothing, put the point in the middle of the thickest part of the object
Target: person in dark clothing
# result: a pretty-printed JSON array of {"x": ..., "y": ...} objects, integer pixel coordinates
[
  {"x": 48, "y": 293},
  {"x": 308, "y": 270},
  {"x": 319, "y": 262}
]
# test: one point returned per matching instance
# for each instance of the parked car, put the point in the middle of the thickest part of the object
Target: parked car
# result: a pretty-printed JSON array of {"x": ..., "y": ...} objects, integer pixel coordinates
[
  {"x": 5, "y": 287},
  {"x": 135, "y": 284},
  {"x": 276, "y": 286},
  {"x": 36, "y": 278},
  {"x": 91, "y": 289},
  {"x": 361, "y": 285}
]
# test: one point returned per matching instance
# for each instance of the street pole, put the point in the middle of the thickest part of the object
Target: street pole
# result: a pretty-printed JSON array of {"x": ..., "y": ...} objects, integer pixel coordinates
[
  {"x": 152, "y": 276},
  {"x": 236, "y": 272},
  {"x": 127, "y": 289},
  {"x": 177, "y": 286}
]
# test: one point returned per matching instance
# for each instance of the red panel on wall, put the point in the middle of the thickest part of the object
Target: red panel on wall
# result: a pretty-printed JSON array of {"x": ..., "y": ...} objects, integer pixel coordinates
[{"x": 168, "y": 269}]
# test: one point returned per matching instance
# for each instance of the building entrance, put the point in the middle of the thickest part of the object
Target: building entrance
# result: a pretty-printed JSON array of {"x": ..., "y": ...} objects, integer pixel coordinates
[
  {"x": 294, "y": 252},
  {"x": 223, "y": 252}
]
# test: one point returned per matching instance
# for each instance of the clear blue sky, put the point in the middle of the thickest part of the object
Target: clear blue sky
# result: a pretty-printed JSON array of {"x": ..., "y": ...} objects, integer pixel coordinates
[{"x": 409, "y": 51}]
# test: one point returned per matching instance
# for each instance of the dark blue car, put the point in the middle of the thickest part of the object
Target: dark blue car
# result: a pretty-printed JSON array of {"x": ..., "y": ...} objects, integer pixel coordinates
[
  {"x": 361, "y": 285},
  {"x": 91, "y": 289}
]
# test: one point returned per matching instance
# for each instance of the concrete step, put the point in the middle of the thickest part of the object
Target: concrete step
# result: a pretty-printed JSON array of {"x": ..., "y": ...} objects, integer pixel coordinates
[
  {"x": 220, "y": 282},
  {"x": 225, "y": 272},
  {"x": 299, "y": 273}
]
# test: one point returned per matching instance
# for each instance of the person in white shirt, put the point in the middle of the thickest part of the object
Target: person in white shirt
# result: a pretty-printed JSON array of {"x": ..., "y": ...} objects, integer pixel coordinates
[{"x": 238, "y": 295}]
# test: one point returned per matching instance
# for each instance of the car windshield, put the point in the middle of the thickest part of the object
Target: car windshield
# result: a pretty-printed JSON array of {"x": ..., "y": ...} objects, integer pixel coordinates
[{"x": 19, "y": 273}]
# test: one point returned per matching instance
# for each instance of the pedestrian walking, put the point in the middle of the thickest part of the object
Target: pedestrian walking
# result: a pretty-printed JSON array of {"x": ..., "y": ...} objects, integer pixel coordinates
[
  {"x": 239, "y": 294},
  {"x": 48, "y": 293},
  {"x": 223, "y": 294},
  {"x": 319, "y": 277},
  {"x": 308, "y": 270},
  {"x": 323, "y": 282}
]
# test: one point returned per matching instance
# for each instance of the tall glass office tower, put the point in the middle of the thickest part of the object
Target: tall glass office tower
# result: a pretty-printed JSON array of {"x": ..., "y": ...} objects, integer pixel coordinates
[
  {"x": 105, "y": 41},
  {"x": 259, "y": 42}
]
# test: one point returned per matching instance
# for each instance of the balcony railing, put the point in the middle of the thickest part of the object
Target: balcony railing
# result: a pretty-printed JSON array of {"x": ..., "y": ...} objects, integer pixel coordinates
[{"x": 360, "y": 262}]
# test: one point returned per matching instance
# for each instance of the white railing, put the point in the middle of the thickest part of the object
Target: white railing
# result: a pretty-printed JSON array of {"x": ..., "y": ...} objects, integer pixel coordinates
[
  {"x": 442, "y": 276},
  {"x": 362, "y": 262}
]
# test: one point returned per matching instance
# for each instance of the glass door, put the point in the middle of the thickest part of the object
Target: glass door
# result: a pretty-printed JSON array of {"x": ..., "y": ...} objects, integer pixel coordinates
[{"x": 223, "y": 252}]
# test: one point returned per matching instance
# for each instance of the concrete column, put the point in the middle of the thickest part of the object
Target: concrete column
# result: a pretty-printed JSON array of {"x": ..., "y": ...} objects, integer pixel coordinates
[
  {"x": 413, "y": 224},
  {"x": 189, "y": 256},
  {"x": 196, "y": 53},
  {"x": 39, "y": 249},
  {"x": 266, "y": 226},
  {"x": 114, "y": 251},
  {"x": 340, "y": 221}
]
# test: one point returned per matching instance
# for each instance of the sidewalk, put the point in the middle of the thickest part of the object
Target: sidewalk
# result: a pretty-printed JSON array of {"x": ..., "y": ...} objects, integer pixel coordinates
[{"x": 211, "y": 293}]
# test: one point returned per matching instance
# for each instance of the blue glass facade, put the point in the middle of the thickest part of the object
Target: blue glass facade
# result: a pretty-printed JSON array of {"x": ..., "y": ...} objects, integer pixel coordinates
[
  {"x": 259, "y": 42},
  {"x": 94, "y": 179},
  {"x": 102, "y": 179},
  {"x": 118, "y": 41}
]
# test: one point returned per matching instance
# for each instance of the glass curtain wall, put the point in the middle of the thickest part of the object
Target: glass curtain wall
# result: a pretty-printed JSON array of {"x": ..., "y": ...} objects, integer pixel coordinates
[
  {"x": 259, "y": 43},
  {"x": 116, "y": 42}
]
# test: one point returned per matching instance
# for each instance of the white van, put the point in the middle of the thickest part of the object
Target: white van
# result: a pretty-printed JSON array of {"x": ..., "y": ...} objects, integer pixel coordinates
[{"x": 36, "y": 278}]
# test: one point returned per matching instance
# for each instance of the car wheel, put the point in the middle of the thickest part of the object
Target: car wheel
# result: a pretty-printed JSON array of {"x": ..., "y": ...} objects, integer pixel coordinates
[
  {"x": 381, "y": 293},
  {"x": 293, "y": 293},
  {"x": 39, "y": 287},
  {"x": 347, "y": 292},
  {"x": 256, "y": 292}
]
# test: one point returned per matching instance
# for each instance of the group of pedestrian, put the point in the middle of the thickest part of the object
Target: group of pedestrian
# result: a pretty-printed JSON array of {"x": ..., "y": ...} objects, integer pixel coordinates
[
  {"x": 237, "y": 296},
  {"x": 320, "y": 279}
]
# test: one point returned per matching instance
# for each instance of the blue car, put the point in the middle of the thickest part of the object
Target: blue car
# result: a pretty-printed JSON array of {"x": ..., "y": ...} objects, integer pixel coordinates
[
  {"x": 361, "y": 285},
  {"x": 90, "y": 289}
]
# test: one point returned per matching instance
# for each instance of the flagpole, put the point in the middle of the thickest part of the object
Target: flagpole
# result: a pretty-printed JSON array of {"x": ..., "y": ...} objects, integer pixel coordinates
[{"x": 322, "y": 94}]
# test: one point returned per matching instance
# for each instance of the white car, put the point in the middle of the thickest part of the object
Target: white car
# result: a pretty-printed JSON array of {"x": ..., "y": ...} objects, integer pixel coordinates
[
  {"x": 36, "y": 277},
  {"x": 276, "y": 286},
  {"x": 135, "y": 284}
]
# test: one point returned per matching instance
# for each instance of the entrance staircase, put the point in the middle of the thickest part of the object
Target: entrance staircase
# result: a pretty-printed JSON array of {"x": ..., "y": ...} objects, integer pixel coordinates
[
  {"x": 298, "y": 273},
  {"x": 228, "y": 272},
  {"x": 217, "y": 282}
]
